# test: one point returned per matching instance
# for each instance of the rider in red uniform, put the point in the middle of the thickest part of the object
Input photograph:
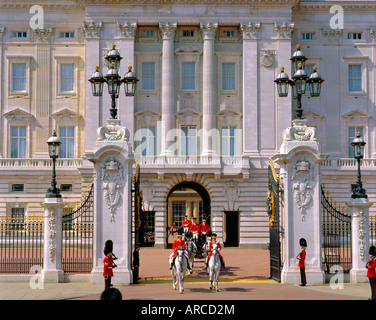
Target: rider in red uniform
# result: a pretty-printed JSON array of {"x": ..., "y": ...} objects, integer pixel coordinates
[
  {"x": 204, "y": 229},
  {"x": 185, "y": 224},
  {"x": 194, "y": 228},
  {"x": 214, "y": 241},
  {"x": 178, "y": 244}
]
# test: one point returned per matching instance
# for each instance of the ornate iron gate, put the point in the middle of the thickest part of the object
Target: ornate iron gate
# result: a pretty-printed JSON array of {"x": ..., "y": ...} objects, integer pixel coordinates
[
  {"x": 21, "y": 244},
  {"x": 147, "y": 229},
  {"x": 336, "y": 235},
  {"x": 77, "y": 237},
  {"x": 274, "y": 225}
]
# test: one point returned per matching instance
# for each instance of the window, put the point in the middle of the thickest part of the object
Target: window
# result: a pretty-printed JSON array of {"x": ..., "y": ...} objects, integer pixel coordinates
[
  {"x": 18, "y": 187},
  {"x": 178, "y": 212},
  {"x": 18, "y": 77},
  {"x": 188, "y": 33},
  {"x": 17, "y": 219},
  {"x": 352, "y": 134},
  {"x": 66, "y": 77},
  {"x": 66, "y": 35},
  {"x": 355, "y": 77},
  {"x": 188, "y": 141},
  {"x": 148, "y": 140},
  {"x": 307, "y": 36},
  {"x": 228, "y": 76},
  {"x": 66, "y": 187},
  {"x": 148, "y": 33},
  {"x": 18, "y": 142},
  {"x": 228, "y": 34},
  {"x": 188, "y": 76},
  {"x": 148, "y": 76},
  {"x": 19, "y": 34},
  {"x": 354, "y": 36},
  {"x": 228, "y": 140},
  {"x": 66, "y": 135}
]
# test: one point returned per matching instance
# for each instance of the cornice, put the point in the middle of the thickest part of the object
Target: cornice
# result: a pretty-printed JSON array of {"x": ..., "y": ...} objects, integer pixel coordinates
[{"x": 201, "y": 2}]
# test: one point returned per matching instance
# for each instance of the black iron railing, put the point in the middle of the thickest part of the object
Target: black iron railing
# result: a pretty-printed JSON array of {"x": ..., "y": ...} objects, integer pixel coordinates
[
  {"x": 21, "y": 244},
  {"x": 336, "y": 236},
  {"x": 77, "y": 237}
]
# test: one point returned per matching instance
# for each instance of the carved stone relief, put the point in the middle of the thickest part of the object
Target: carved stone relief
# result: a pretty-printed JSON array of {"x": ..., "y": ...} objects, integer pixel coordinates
[
  {"x": 301, "y": 175},
  {"x": 112, "y": 184}
]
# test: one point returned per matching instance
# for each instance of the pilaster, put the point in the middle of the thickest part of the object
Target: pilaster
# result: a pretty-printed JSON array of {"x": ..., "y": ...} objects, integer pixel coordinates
[
  {"x": 359, "y": 211},
  {"x": 250, "y": 88},
  {"x": 208, "y": 30},
  {"x": 52, "y": 268},
  {"x": 168, "y": 102}
]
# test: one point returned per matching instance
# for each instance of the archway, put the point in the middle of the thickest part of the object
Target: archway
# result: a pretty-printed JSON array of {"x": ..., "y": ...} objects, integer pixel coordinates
[{"x": 186, "y": 198}]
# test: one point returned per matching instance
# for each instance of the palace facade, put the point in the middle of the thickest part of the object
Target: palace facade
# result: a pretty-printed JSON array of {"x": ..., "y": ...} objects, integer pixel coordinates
[{"x": 206, "y": 116}]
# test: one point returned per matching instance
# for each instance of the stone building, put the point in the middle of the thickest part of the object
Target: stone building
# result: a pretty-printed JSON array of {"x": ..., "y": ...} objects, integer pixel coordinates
[{"x": 206, "y": 116}]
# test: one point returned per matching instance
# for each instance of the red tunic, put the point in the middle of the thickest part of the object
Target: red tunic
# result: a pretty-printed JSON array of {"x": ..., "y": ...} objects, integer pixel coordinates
[
  {"x": 371, "y": 269},
  {"x": 185, "y": 223},
  {"x": 178, "y": 245},
  {"x": 107, "y": 270},
  {"x": 211, "y": 249},
  {"x": 302, "y": 256},
  {"x": 194, "y": 227},
  {"x": 204, "y": 228}
]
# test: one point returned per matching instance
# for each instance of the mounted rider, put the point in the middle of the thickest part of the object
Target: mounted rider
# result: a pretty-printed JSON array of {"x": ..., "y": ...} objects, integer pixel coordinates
[
  {"x": 214, "y": 241},
  {"x": 194, "y": 229},
  {"x": 179, "y": 244},
  {"x": 204, "y": 229},
  {"x": 185, "y": 224}
]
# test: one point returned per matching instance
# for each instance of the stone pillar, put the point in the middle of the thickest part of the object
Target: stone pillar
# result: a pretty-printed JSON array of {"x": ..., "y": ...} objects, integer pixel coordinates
[
  {"x": 113, "y": 159},
  {"x": 168, "y": 86},
  {"x": 359, "y": 238},
  {"x": 250, "y": 88},
  {"x": 126, "y": 105},
  {"x": 299, "y": 160},
  {"x": 208, "y": 88},
  {"x": 42, "y": 91},
  {"x": 196, "y": 210},
  {"x": 53, "y": 211}
]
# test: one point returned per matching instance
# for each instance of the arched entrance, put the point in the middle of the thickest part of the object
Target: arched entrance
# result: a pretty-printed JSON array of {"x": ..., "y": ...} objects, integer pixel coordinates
[{"x": 186, "y": 198}]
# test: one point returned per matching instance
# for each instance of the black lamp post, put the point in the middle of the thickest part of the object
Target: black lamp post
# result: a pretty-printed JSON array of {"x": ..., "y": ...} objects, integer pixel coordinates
[
  {"x": 299, "y": 81},
  {"x": 113, "y": 80},
  {"x": 54, "y": 144},
  {"x": 358, "y": 147}
]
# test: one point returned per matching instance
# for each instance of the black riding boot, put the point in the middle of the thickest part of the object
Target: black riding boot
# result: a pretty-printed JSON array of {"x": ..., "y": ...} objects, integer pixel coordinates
[{"x": 223, "y": 264}]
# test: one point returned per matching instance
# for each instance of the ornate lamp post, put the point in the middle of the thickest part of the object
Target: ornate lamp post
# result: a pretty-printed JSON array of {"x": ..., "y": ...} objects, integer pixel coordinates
[
  {"x": 113, "y": 80},
  {"x": 358, "y": 147},
  {"x": 54, "y": 144},
  {"x": 299, "y": 81}
]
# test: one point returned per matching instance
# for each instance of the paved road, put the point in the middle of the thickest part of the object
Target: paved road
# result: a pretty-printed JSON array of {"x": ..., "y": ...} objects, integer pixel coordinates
[{"x": 245, "y": 278}]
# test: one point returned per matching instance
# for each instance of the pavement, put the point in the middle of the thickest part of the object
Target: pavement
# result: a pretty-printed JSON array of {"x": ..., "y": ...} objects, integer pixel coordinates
[{"x": 246, "y": 277}]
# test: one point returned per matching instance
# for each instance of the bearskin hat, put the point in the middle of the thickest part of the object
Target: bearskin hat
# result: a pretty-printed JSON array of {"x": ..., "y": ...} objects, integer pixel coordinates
[
  {"x": 303, "y": 242},
  {"x": 108, "y": 247},
  {"x": 372, "y": 250}
]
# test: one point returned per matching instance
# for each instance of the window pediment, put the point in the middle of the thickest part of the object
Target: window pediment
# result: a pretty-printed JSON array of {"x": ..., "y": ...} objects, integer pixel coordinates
[
  {"x": 18, "y": 114},
  {"x": 357, "y": 115}
]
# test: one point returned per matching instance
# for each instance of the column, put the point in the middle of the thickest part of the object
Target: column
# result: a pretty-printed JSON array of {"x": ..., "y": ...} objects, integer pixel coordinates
[
  {"x": 196, "y": 210},
  {"x": 93, "y": 104},
  {"x": 43, "y": 90},
  {"x": 168, "y": 30},
  {"x": 188, "y": 211},
  {"x": 209, "y": 106},
  {"x": 360, "y": 238},
  {"x": 125, "y": 46},
  {"x": 52, "y": 269},
  {"x": 2, "y": 83},
  {"x": 250, "y": 89}
]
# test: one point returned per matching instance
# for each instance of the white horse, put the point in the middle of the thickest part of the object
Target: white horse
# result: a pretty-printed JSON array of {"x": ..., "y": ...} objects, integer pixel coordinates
[
  {"x": 178, "y": 270},
  {"x": 191, "y": 250},
  {"x": 214, "y": 268}
]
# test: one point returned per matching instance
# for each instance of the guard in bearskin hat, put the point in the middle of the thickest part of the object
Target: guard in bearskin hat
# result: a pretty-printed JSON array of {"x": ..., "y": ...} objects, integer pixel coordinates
[
  {"x": 301, "y": 263},
  {"x": 109, "y": 263},
  {"x": 371, "y": 275}
]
